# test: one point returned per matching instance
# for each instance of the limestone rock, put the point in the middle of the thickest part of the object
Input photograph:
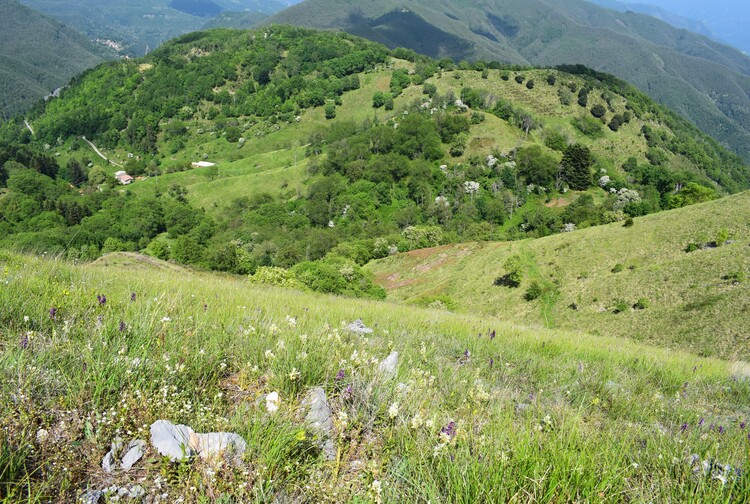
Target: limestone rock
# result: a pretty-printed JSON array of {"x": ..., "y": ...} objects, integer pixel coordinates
[
  {"x": 172, "y": 440},
  {"x": 319, "y": 420},
  {"x": 359, "y": 327},
  {"x": 388, "y": 367},
  {"x": 133, "y": 453}
]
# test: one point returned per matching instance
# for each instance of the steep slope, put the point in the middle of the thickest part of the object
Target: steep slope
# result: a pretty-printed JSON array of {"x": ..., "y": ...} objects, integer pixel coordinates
[
  {"x": 703, "y": 80},
  {"x": 636, "y": 282},
  {"x": 137, "y": 26},
  {"x": 37, "y": 55}
]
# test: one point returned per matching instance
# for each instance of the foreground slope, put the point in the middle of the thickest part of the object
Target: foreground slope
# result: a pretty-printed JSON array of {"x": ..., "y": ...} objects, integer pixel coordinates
[
  {"x": 479, "y": 410},
  {"x": 592, "y": 280},
  {"x": 701, "y": 79},
  {"x": 37, "y": 55}
]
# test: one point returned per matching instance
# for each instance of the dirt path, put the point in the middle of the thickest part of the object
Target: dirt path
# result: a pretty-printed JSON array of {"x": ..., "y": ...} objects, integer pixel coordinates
[
  {"x": 99, "y": 152},
  {"x": 29, "y": 126}
]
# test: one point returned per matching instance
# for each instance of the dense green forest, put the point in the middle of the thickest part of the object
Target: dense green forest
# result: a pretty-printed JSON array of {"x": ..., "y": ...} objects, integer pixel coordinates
[{"x": 394, "y": 165}]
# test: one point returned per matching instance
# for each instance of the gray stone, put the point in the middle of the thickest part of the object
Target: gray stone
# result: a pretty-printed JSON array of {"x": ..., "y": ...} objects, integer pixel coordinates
[
  {"x": 180, "y": 441},
  {"x": 172, "y": 440},
  {"x": 215, "y": 444},
  {"x": 109, "y": 462},
  {"x": 91, "y": 497},
  {"x": 388, "y": 367},
  {"x": 359, "y": 327},
  {"x": 319, "y": 420},
  {"x": 522, "y": 407},
  {"x": 133, "y": 453}
]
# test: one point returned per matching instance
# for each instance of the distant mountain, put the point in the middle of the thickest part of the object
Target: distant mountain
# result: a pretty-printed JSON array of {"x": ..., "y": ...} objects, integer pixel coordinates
[
  {"x": 728, "y": 19},
  {"x": 693, "y": 25},
  {"x": 138, "y": 26},
  {"x": 231, "y": 19},
  {"x": 37, "y": 55},
  {"x": 701, "y": 79}
]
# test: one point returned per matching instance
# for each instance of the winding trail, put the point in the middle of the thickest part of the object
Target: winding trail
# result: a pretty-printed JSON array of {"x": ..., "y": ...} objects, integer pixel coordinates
[{"x": 91, "y": 144}]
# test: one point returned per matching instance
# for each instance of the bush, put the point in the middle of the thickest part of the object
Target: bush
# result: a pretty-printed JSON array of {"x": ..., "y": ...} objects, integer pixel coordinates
[
  {"x": 641, "y": 304},
  {"x": 534, "y": 291},
  {"x": 530, "y": 84},
  {"x": 628, "y": 222},
  {"x": 279, "y": 277},
  {"x": 618, "y": 268},
  {"x": 588, "y": 126},
  {"x": 598, "y": 111},
  {"x": 722, "y": 236},
  {"x": 505, "y": 76},
  {"x": 736, "y": 277},
  {"x": 692, "y": 247},
  {"x": 520, "y": 79},
  {"x": 620, "y": 307},
  {"x": 513, "y": 273},
  {"x": 551, "y": 79},
  {"x": 583, "y": 97}
]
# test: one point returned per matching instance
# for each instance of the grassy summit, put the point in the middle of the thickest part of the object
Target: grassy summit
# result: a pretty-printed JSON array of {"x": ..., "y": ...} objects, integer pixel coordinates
[{"x": 480, "y": 410}]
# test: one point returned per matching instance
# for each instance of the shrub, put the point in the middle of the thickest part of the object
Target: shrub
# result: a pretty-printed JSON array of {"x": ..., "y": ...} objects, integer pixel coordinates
[
  {"x": 736, "y": 277},
  {"x": 588, "y": 126},
  {"x": 598, "y": 111},
  {"x": 615, "y": 123},
  {"x": 513, "y": 273},
  {"x": 330, "y": 111},
  {"x": 722, "y": 236},
  {"x": 505, "y": 76},
  {"x": 534, "y": 291},
  {"x": 620, "y": 307},
  {"x": 618, "y": 268},
  {"x": 583, "y": 97},
  {"x": 692, "y": 247},
  {"x": 628, "y": 222},
  {"x": 641, "y": 304},
  {"x": 520, "y": 79},
  {"x": 279, "y": 277},
  {"x": 551, "y": 79},
  {"x": 530, "y": 84}
]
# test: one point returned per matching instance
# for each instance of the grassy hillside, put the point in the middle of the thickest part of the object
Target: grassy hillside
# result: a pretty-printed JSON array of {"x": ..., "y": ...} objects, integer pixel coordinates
[
  {"x": 37, "y": 56},
  {"x": 353, "y": 151},
  {"x": 635, "y": 282},
  {"x": 701, "y": 79},
  {"x": 479, "y": 410}
]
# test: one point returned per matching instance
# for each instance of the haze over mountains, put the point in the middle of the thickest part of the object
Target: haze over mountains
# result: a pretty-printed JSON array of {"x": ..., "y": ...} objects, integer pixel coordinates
[{"x": 701, "y": 79}]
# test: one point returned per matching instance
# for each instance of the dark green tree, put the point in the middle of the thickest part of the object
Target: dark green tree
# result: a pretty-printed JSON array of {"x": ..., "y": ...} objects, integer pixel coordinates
[{"x": 576, "y": 167}]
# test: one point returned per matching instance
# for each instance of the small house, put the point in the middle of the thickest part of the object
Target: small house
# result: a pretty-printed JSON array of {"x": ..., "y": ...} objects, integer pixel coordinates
[{"x": 123, "y": 177}]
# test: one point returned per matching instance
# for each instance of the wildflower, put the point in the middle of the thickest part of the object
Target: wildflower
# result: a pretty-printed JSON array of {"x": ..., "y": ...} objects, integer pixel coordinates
[
  {"x": 24, "y": 343},
  {"x": 269, "y": 354},
  {"x": 132, "y": 297},
  {"x": 348, "y": 392},
  {"x": 122, "y": 326},
  {"x": 272, "y": 402},
  {"x": 742, "y": 425},
  {"x": 292, "y": 321},
  {"x": 684, "y": 427},
  {"x": 166, "y": 319},
  {"x": 393, "y": 411},
  {"x": 377, "y": 487},
  {"x": 467, "y": 354},
  {"x": 25, "y": 318},
  {"x": 721, "y": 429},
  {"x": 417, "y": 421},
  {"x": 53, "y": 313},
  {"x": 492, "y": 335},
  {"x": 701, "y": 422},
  {"x": 449, "y": 431},
  {"x": 294, "y": 375},
  {"x": 102, "y": 299},
  {"x": 340, "y": 375},
  {"x": 492, "y": 362},
  {"x": 205, "y": 307}
]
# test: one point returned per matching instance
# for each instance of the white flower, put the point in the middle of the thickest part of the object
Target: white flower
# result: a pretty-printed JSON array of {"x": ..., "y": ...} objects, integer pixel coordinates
[
  {"x": 417, "y": 421},
  {"x": 269, "y": 354},
  {"x": 471, "y": 187},
  {"x": 166, "y": 319},
  {"x": 393, "y": 410},
  {"x": 294, "y": 374},
  {"x": 25, "y": 318},
  {"x": 272, "y": 402},
  {"x": 376, "y": 487}
]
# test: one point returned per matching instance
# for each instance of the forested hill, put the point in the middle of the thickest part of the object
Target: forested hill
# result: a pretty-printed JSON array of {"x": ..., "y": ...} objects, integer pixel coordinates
[
  {"x": 37, "y": 55},
  {"x": 324, "y": 151},
  {"x": 705, "y": 81}
]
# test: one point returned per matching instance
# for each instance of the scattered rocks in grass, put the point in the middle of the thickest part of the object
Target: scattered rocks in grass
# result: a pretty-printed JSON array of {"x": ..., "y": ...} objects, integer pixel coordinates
[
  {"x": 180, "y": 441},
  {"x": 132, "y": 453},
  {"x": 319, "y": 421},
  {"x": 713, "y": 469},
  {"x": 359, "y": 327},
  {"x": 388, "y": 367},
  {"x": 112, "y": 494},
  {"x": 522, "y": 407}
]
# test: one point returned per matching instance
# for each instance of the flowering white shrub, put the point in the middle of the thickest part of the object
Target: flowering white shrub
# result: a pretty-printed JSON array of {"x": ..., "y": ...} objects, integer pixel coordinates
[{"x": 471, "y": 187}]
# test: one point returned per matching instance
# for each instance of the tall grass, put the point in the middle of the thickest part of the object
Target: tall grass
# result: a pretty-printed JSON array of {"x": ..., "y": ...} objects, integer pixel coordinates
[{"x": 529, "y": 415}]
